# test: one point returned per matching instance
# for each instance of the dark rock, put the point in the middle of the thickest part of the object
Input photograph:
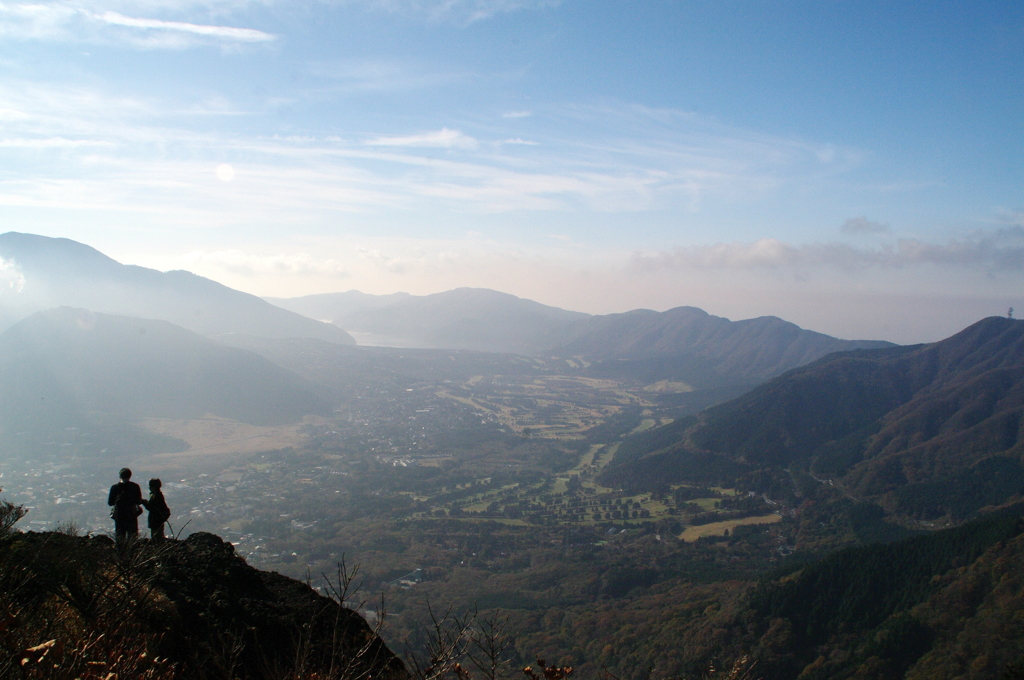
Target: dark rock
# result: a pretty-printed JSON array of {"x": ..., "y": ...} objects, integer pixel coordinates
[{"x": 197, "y": 604}]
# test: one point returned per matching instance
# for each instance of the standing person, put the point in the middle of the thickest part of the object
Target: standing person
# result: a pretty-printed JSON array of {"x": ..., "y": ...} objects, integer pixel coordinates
[
  {"x": 158, "y": 510},
  {"x": 125, "y": 498}
]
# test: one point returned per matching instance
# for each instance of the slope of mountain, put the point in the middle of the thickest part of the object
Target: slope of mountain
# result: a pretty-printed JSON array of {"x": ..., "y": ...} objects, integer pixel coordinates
[
  {"x": 55, "y": 272},
  {"x": 464, "y": 318},
  {"x": 720, "y": 357},
  {"x": 945, "y": 605},
  {"x": 177, "y": 610},
  {"x": 689, "y": 342},
  {"x": 334, "y": 307},
  {"x": 927, "y": 430},
  {"x": 66, "y": 363}
]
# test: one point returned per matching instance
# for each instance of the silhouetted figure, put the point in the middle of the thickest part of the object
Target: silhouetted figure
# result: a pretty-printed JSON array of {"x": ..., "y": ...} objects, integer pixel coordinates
[
  {"x": 159, "y": 513},
  {"x": 125, "y": 498}
]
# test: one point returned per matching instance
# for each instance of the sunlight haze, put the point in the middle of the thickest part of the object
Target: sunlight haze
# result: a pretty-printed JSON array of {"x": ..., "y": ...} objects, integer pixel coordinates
[{"x": 852, "y": 167}]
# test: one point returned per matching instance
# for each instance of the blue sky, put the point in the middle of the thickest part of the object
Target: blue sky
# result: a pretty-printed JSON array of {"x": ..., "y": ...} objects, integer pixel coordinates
[{"x": 854, "y": 167}]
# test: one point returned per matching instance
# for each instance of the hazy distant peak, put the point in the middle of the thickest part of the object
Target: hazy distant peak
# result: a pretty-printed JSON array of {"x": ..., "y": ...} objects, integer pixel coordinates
[
  {"x": 89, "y": 362},
  {"x": 490, "y": 320},
  {"x": 463, "y": 318},
  {"x": 768, "y": 320},
  {"x": 775, "y": 325},
  {"x": 60, "y": 272},
  {"x": 487, "y": 298},
  {"x": 687, "y": 310},
  {"x": 469, "y": 293},
  {"x": 32, "y": 250}
]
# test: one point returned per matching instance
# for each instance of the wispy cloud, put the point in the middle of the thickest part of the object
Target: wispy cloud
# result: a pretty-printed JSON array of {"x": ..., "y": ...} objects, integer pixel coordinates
[
  {"x": 11, "y": 278},
  {"x": 55, "y": 19},
  {"x": 1001, "y": 250},
  {"x": 367, "y": 75},
  {"x": 37, "y": 21},
  {"x": 517, "y": 114},
  {"x": 65, "y": 21},
  {"x": 1012, "y": 217},
  {"x": 460, "y": 12},
  {"x": 147, "y": 155},
  {"x": 439, "y": 139},
  {"x": 285, "y": 180},
  {"x": 49, "y": 143},
  {"x": 862, "y": 225},
  {"x": 222, "y": 32},
  {"x": 247, "y": 264}
]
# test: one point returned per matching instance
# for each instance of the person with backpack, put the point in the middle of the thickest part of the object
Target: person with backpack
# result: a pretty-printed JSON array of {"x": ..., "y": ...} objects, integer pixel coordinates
[
  {"x": 125, "y": 502},
  {"x": 159, "y": 513}
]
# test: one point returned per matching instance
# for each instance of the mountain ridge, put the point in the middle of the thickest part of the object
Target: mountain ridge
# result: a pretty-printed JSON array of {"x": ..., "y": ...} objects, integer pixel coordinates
[
  {"x": 897, "y": 425},
  {"x": 684, "y": 343},
  {"x": 178, "y": 609},
  {"x": 60, "y": 272},
  {"x": 75, "y": 361}
]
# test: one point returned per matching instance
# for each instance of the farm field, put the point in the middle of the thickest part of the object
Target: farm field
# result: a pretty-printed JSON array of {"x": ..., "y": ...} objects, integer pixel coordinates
[{"x": 692, "y": 533}]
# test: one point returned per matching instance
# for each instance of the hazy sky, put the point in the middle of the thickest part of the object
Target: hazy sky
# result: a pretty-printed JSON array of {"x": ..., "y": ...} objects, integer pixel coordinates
[{"x": 854, "y": 167}]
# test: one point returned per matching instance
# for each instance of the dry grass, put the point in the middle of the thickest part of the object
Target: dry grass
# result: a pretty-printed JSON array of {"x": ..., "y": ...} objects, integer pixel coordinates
[
  {"x": 215, "y": 440},
  {"x": 719, "y": 528},
  {"x": 671, "y": 386}
]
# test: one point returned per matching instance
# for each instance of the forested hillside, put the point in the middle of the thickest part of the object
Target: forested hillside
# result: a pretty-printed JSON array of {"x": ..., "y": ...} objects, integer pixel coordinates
[
  {"x": 63, "y": 366},
  {"x": 929, "y": 430}
]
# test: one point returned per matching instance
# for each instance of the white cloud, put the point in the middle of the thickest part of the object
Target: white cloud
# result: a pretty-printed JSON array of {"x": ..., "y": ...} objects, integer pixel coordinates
[
  {"x": 156, "y": 157},
  {"x": 440, "y": 139},
  {"x": 862, "y": 225},
  {"x": 517, "y": 114},
  {"x": 1012, "y": 217},
  {"x": 37, "y": 21},
  {"x": 460, "y": 12},
  {"x": 222, "y": 32},
  {"x": 895, "y": 303},
  {"x": 49, "y": 19},
  {"x": 67, "y": 21},
  {"x": 367, "y": 75},
  {"x": 49, "y": 143},
  {"x": 12, "y": 114},
  {"x": 1001, "y": 250},
  {"x": 11, "y": 278},
  {"x": 517, "y": 140},
  {"x": 246, "y": 264}
]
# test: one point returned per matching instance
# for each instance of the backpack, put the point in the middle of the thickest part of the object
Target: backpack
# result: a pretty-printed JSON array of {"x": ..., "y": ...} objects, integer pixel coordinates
[{"x": 117, "y": 510}]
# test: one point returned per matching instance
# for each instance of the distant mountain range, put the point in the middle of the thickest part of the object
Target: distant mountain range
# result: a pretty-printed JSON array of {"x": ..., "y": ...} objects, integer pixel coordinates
[
  {"x": 926, "y": 430},
  {"x": 60, "y": 272},
  {"x": 685, "y": 343},
  {"x": 65, "y": 365},
  {"x": 681, "y": 344},
  {"x": 707, "y": 359},
  {"x": 464, "y": 318},
  {"x": 336, "y": 307},
  {"x": 698, "y": 343}
]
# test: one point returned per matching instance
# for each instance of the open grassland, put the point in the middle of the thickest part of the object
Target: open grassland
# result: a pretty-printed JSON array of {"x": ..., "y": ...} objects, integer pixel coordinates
[
  {"x": 645, "y": 424},
  {"x": 706, "y": 504},
  {"x": 719, "y": 528},
  {"x": 668, "y": 386},
  {"x": 213, "y": 439}
]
